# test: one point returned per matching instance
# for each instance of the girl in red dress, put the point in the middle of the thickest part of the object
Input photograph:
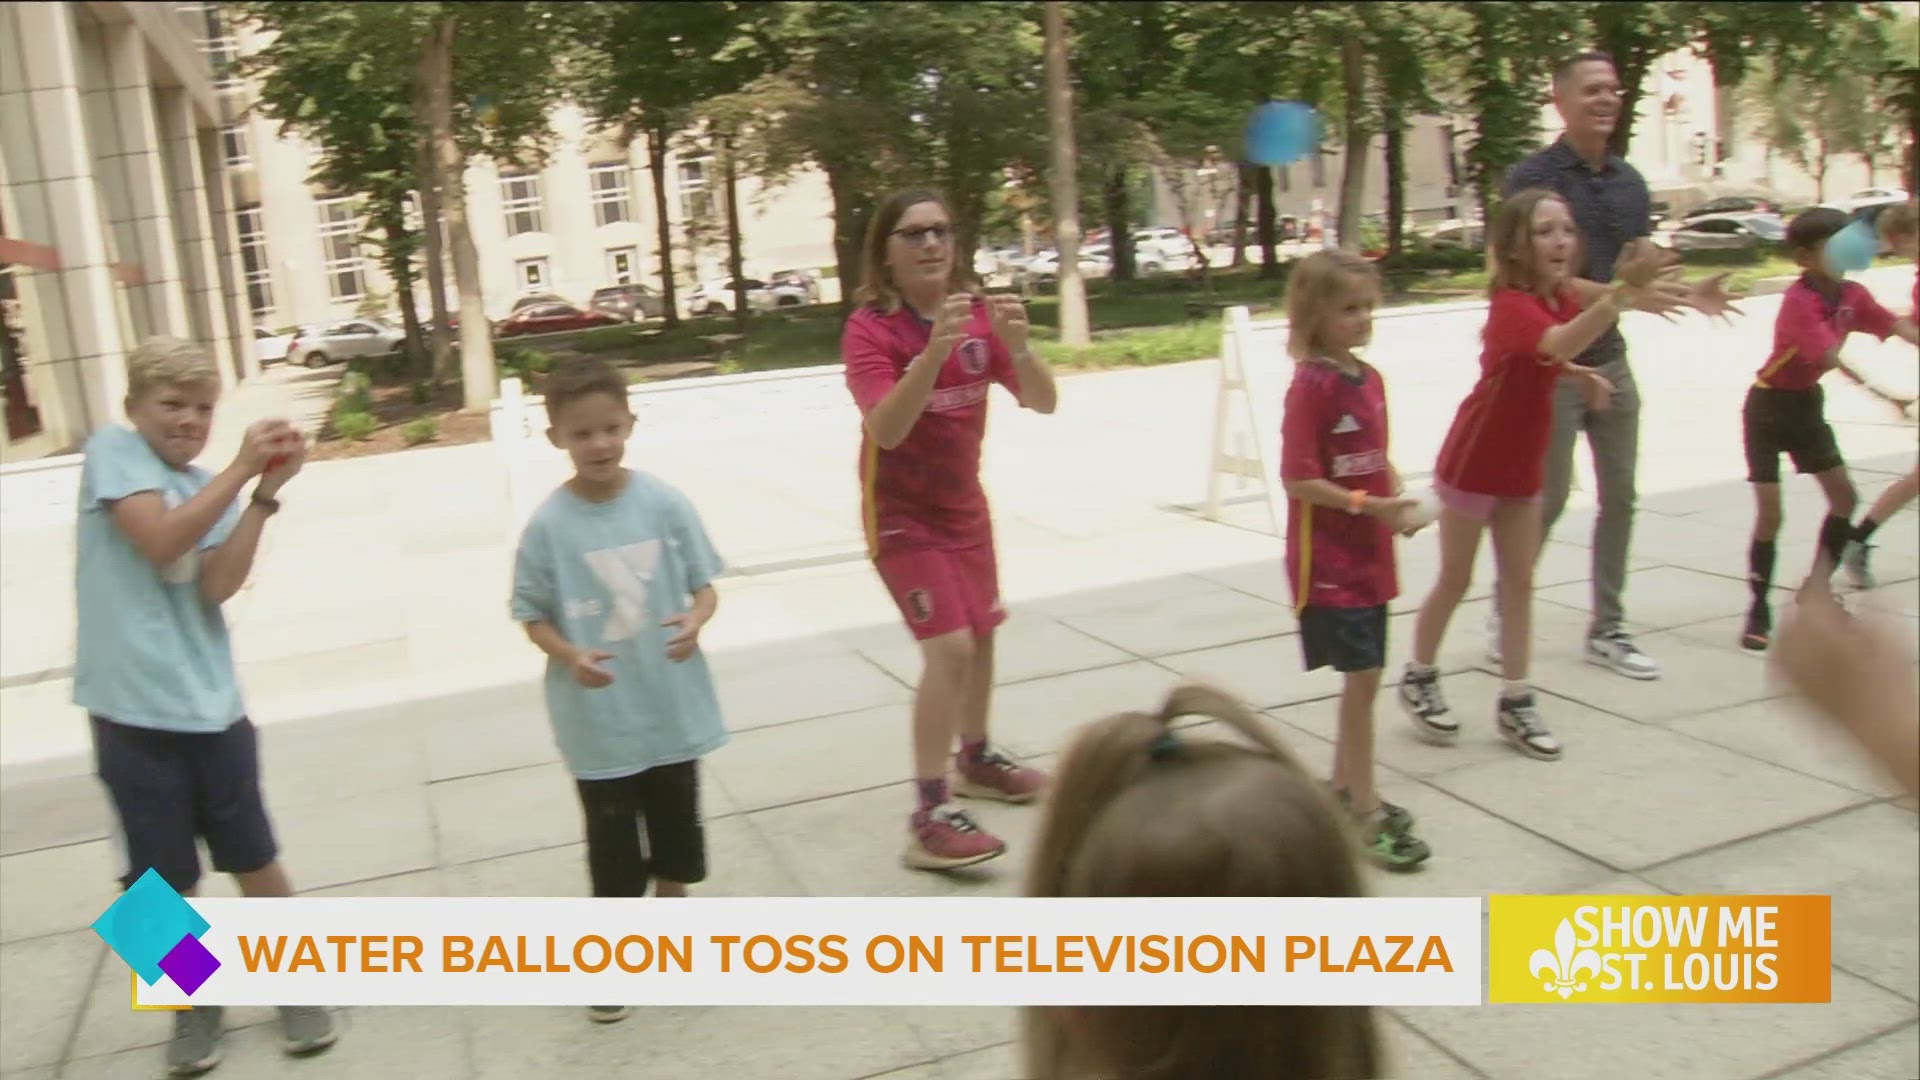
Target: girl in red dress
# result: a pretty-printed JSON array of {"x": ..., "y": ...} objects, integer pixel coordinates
[{"x": 1489, "y": 473}]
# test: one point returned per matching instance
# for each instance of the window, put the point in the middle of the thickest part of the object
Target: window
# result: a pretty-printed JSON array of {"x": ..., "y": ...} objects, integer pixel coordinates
[
  {"x": 520, "y": 198},
  {"x": 340, "y": 248},
  {"x": 696, "y": 193},
  {"x": 233, "y": 144},
  {"x": 609, "y": 187},
  {"x": 532, "y": 274},
  {"x": 623, "y": 265},
  {"x": 1319, "y": 169},
  {"x": 1284, "y": 174},
  {"x": 253, "y": 255},
  {"x": 220, "y": 47},
  {"x": 1449, "y": 156}
]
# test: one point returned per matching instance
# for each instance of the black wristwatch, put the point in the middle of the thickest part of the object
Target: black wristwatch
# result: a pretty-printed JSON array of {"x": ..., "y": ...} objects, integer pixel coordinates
[{"x": 266, "y": 502}]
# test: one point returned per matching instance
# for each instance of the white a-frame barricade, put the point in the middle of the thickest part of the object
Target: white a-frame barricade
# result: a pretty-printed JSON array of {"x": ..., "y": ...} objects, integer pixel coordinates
[{"x": 1246, "y": 417}]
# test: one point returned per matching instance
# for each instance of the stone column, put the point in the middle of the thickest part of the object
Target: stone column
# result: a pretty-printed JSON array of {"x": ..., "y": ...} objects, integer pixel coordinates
[
  {"x": 149, "y": 217},
  {"x": 193, "y": 227}
]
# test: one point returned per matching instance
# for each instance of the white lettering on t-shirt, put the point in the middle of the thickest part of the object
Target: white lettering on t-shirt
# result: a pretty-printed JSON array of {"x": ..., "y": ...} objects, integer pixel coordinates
[
  {"x": 1360, "y": 464},
  {"x": 626, "y": 572},
  {"x": 958, "y": 397}
]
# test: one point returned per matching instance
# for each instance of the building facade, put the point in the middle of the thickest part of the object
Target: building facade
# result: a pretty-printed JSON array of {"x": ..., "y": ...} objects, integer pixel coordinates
[{"x": 114, "y": 219}]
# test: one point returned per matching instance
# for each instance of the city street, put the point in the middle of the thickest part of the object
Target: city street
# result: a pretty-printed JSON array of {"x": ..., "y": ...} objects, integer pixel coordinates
[{"x": 406, "y": 751}]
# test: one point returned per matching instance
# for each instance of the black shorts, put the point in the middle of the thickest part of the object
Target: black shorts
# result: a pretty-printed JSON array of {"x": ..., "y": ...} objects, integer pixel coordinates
[
  {"x": 666, "y": 799},
  {"x": 1791, "y": 422},
  {"x": 171, "y": 788},
  {"x": 1345, "y": 639}
]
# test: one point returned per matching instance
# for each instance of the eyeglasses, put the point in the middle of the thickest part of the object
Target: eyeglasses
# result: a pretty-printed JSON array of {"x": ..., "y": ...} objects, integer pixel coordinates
[{"x": 938, "y": 233}]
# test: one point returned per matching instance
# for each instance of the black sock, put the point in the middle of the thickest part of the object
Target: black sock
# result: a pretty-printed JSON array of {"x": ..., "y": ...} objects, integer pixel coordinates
[
  {"x": 1865, "y": 529},
  {"x": 1760, "y": 570},
  {"x": 1834, "y": 534}
]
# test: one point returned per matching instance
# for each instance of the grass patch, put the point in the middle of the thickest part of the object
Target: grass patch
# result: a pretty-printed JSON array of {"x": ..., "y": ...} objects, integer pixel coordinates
[{"x": 1134, "y": 348}]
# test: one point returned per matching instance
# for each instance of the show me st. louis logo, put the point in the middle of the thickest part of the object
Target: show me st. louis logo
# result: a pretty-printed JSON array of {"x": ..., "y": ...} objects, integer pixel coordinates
[{"x": 158, "y": 933}]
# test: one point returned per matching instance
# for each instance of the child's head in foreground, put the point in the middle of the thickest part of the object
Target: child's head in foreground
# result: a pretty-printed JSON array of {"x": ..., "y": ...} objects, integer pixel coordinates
[
  {"x": 1900, "y": 227},
  {"x": 1807, "y": 236},
  {"x": 1331, "y": 295},
  {"x": 1533, "y": 243},
  {"x": 588, "y": 417},
  {"x": 1140, "y": 809},
  {"x": 172, "y": 387}
]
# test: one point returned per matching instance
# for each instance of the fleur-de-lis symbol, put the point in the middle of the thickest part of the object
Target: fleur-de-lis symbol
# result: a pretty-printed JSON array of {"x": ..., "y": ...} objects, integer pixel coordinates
[{"x": 1563, "y": 967}]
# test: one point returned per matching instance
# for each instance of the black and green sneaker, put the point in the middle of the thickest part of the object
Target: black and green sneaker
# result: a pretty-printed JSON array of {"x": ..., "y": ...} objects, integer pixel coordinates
[
  {"x": 1396, "y": 818},
  {"x": 1388, "y": 847}
]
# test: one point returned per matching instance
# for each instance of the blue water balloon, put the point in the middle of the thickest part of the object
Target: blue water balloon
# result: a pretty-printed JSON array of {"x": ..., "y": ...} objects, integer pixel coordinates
[
  {"x": 1282, "y": 132},
  {"x": 1852, "y": 249}
]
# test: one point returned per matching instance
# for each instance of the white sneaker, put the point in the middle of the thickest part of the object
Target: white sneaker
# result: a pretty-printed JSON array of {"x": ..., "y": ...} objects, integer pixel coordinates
[
  {"x": 1493, "y": 637},
  {"x": 1617, "y": 652}
]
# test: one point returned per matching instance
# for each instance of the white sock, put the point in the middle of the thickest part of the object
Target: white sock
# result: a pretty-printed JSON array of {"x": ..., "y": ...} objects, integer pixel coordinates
[
  {"x": 1514, "y": 688},
  {"x": 1415, "y": 667}
]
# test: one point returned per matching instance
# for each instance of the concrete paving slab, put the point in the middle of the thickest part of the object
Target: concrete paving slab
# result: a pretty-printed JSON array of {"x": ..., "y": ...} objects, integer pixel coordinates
[
  {"x": 372, "y": 835},
  {"x": 850, "y": 845},
  {"x": 88, "y": 875},
  {"x": 1028, "y": 645},
  {"x": 1895, "y": 1054},
  {"x": 803, "y": 689},
  {"x": 501, "y": 813},
  {"x": 1201, "y": 619},
  {"x": 1781, "y": 731},
  {"x": 1658, "y": 1042},
  {"x": 1700, "y": 678},
  {"x": 43, "y": 983},
  {"x": 1040, "y": 716},
  {"x": 1861, "y": 858},
  {"x": 54, "y": 812},
  {"x": 1665, "y": 596},
  {"x": 1634, "y": 797},
  {"x": 812, "y": 759}
]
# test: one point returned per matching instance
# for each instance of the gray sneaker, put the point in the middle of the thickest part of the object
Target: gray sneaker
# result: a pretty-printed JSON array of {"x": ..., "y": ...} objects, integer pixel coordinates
[
  {"x": 195, "y": 1046},
  {"x": 608, "y": 1014},
  {"x": 1616, "y": 652},
  {"x": 309, "y": 1029},
  {"x": 1519, "y": 723},
  {"x": 1855, "y": 559}
]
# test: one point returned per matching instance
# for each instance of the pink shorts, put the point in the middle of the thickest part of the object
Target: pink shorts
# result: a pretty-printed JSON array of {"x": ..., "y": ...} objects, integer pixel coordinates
[
  {"x": 940, "y": 590},
  {"x": 1472, "y": 504}
]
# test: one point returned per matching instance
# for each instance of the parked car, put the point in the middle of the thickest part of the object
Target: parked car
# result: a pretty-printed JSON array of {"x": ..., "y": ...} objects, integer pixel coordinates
[
  {"x": 806, "y": 281},
  {"x": 1728, "y": 232},
  {"x": 1874, "y": 195},
  {"x": 1145, "y": 260},
  {"x": 269, "y": 347},
  {"x": 1731, "y": 204},
  {"x": 1468, "y": 235},
  {"x": 329, "y": 343},
  {"x": 552, "y": 318},
  {"x": 1046, "y": 264},
  {"x": 530, "y": 299},
  {"x": 1166, "y": 244},
  {"x": 630, "y": 303},
  {"x": 716, "y": 297}
]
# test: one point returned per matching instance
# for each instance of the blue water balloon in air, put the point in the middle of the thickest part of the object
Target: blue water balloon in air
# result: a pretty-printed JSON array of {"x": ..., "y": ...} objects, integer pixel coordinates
[
  {"x": 1281, "y": 132},
  {"x": 1852, "y": 249}
]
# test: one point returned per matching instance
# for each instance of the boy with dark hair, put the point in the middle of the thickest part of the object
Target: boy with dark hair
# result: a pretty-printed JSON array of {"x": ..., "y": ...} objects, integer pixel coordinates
[
  {"x": 613, "y": 581},
  {"x": 1785, "y": 410}
]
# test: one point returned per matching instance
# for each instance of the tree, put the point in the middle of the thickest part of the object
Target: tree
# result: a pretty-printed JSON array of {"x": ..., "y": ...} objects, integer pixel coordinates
[
  {"x": 1412, "y": 45},
  {"x": 1074, "y": 328},
  {"x": 1511, "y": 50},
  {"x": 1813, "y": 103}
]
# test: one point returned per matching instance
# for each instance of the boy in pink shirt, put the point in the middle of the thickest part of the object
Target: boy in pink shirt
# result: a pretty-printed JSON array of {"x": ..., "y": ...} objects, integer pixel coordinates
[{"x": 1785, "y": 409}]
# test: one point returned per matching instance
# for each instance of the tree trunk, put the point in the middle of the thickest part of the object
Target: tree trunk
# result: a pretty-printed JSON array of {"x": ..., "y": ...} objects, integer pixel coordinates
[
  {"x": 439, "y": 342},
  {"x": 1118, "y": 226},
  {"x": 1264, "y": 222},
  {"x": 476, "y": 335},
  {"x": 1074, "y": 326},
  {"x": 1242, "y": 191},
  {"x": 663, "y": 229},
  {"x": 1353, "y": 163},
  {"x": 1396, "y": 168},
  {"x": 730, "y": 173},
  {"x": 849, "y": 221},
  {"x": 400, "y": 268}
]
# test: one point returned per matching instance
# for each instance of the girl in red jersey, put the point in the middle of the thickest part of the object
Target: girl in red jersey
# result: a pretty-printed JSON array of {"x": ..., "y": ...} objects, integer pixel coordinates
[
  {"x": 1489, "y": 472},
  {"x": 920, "y": 356},
  {"x": 1900, "y": 228}
]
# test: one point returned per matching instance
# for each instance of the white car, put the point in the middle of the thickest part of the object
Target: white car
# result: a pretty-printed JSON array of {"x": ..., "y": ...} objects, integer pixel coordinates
[
  {"x": 1046, "y": 264},
  {"x": 1729, "y": 232},
  {"x": 328, "y": 343},
  {"x": 269, "y": 347},
  {"x": 1146, "y": 260},
  {"x": 1167, "y": 245},
  {"x": 1872, "y": 195},
  {"x": 716, "y": 297}
]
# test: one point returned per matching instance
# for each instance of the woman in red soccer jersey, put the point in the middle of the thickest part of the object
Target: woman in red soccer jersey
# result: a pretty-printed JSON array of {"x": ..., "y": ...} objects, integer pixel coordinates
[
  {"x": 1489, "y": 472},
  {"x": 921, "y": 353}
]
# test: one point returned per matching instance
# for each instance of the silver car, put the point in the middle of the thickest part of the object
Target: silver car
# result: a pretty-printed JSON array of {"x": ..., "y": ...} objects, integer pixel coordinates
[
  {"x": 329, "y": 343},
  {"x": 1729, "y": 232}
]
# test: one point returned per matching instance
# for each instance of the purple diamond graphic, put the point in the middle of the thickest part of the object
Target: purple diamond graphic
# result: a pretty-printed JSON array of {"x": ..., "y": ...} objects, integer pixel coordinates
[{"x": 189, "y": 964}]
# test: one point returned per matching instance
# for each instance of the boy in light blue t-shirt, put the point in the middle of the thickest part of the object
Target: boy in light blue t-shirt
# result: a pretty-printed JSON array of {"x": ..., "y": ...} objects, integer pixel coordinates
[
  {"x": 613, "y": 580},
  {"x": 161, "y": 545}
]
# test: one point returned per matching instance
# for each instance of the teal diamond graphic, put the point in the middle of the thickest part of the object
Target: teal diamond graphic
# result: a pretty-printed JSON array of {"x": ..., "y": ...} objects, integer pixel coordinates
[{"x": 145, "y": 924}]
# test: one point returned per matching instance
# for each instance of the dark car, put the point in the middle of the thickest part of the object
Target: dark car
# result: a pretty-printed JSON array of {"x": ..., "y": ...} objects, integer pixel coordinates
[
  {"x": 552, "y": 318},
  {"x": 630, "y": 303},
  {"x": 1733, "y": 204}
]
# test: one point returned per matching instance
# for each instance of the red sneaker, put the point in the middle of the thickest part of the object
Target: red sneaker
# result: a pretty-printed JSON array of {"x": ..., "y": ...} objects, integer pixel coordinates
[
  {"x": 994, "y": 775},
  {"x": 945, "y": 838}
]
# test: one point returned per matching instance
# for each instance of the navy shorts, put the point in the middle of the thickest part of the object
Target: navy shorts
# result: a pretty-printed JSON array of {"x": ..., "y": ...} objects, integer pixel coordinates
[
  {"x": 172, "y": 789},
  {"x": 1345, "y": 639},
  {"x": 1790, "y": 422},
  {"x": 665, "y": 801}
]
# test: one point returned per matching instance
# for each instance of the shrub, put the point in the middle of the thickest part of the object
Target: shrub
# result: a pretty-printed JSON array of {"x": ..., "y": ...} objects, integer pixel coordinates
[
  {"x": 355, "y": 393},
  {"x": 423, "y": 430},
  {"x": 1434, "y": 258},
  {"x": 420, "y": 393},
  {"x": 1738, "y": 257},
  {"x": 521, "y": 361},
  {"x": 354, "y": 425}
]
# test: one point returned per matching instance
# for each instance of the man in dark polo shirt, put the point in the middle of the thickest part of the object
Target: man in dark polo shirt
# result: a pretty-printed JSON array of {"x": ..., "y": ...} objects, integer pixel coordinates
[{"x": 1613, "y": 208}]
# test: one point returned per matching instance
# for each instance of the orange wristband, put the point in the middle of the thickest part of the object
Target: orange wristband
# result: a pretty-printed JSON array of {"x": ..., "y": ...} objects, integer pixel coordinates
[{"x": 1356, "y": 499}]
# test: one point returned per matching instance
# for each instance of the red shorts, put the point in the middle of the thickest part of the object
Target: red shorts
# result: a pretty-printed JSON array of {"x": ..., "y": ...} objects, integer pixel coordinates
[{"x": 940, "y": 590}]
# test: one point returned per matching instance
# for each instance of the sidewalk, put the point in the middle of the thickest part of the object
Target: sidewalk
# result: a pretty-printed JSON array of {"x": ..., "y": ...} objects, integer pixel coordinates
[{"x": 376, "y": 623}]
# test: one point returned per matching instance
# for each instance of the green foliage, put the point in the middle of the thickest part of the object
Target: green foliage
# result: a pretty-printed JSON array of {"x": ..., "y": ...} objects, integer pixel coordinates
[
  {"x": 419, "y": 392},
  {"x": 355, "y": 393},
  {"x": 523, "y": 361},
  {"x": 356, "y": 426},
  {"x": 1194, "y": 340},
  {"x": 423, "y": 430}
]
